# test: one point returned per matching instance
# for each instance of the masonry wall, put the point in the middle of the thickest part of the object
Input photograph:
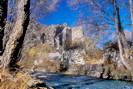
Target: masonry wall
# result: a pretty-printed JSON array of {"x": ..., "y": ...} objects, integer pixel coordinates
[{"x": 77, "y": 33}]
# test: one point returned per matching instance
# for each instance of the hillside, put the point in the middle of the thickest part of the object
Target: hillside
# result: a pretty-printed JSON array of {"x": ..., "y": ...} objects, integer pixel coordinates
[{"x": 60, "y": 48}]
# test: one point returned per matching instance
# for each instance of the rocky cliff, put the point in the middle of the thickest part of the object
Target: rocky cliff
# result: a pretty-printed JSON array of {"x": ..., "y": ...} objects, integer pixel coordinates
[
  {"x": 51, "y": 44},
  {"x": 60, "y": 48}
]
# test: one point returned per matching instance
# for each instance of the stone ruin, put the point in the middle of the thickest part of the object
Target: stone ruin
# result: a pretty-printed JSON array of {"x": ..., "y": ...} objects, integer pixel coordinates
[
  {"x": 59, "y": 37},
  {"x": 65, "y": 36}
]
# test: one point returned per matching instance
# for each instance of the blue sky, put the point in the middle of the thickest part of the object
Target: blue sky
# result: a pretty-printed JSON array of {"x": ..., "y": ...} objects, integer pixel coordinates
[
  {"x": 65, "y": 14},
  {"x": 62, "y": 14}
]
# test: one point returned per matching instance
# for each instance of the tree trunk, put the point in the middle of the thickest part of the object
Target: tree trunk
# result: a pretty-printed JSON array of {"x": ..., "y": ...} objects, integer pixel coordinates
[
  {"x": 14, "y": 45},
  {"x": 131, "y": 12},
  {"x": 122, "y": 42},
  {"x": 3, "y": 16}
]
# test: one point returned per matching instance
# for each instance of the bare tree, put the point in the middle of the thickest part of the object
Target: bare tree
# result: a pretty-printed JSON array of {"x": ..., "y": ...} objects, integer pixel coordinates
[
  {"x": 20, "y": 13},
  {"x": 131, "y": 12},
  {"x": 40, "y": 7},
  {"x": 108, "y": 17},
  {"x": 15, "y": 42},
  {"x": 122, "y": 42},
  {"x": 97, "y": 19},
  {"x": 3, "y": 16}
]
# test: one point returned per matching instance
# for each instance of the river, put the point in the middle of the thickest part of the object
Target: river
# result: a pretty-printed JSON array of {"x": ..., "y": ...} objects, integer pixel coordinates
[{"x": 63, "y": 81}]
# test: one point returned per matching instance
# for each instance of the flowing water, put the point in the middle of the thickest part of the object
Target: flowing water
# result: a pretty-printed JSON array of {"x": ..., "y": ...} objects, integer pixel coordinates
[{"x": 62, "y": 81}]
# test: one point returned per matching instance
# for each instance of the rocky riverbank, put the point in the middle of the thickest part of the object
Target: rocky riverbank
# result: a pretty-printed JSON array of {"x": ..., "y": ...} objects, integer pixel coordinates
[{"x": 64, "y": 81}]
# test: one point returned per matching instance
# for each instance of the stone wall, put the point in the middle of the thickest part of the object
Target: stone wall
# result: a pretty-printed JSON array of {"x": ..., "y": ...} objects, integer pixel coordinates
[
  {"x": 64, "y": 36},
  {"x": 77, "y": 33}
]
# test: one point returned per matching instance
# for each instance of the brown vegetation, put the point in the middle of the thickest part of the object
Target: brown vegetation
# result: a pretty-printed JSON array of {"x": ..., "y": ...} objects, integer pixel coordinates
[
  {"x": 19, "y": 81},
  {"x": 37, "y": 59},
  {"x": 93, "y": 54}
]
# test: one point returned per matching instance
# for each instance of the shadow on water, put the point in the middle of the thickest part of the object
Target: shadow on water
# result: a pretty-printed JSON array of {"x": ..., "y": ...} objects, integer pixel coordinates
[{"x": 73, "y": 85}]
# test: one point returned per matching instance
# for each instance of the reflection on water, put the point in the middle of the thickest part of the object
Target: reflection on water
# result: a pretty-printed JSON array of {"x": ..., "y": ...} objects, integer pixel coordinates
[{"x": 62, "y": 81}]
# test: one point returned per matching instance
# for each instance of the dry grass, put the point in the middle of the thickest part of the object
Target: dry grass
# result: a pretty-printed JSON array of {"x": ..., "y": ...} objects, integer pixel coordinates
[
  {"x": 19, "y": 81},
  {"x": 93, "y": 56},
  {"x": 45, "y": 48},
  {"x": 94, "y": 61},
  {"x": 37, "y": 59},
  {"x": 33, "y": 53}
]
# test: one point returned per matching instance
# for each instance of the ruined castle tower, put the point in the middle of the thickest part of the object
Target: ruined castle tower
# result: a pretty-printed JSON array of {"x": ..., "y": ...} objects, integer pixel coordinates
[{"x": 65, "y": 36}]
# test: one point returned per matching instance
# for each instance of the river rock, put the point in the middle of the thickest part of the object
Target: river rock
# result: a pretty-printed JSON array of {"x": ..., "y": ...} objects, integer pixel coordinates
[
  {"x": 55, "y": 55},
  {"x": 94, "y": 70},
  {"x": 128, "y": 87}
]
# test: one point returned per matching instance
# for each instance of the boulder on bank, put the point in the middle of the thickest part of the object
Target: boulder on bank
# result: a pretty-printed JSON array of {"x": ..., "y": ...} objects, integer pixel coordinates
[{"x": 56, "y": 55}]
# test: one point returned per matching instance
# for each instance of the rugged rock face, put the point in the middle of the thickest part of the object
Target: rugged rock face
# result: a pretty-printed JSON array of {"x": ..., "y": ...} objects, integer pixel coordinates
[
  {"x": 59, "y": 39},
  {"x": 38, "y": 34},
  {"x": 70, "y": 58},
  {"x": 74, "y": 56},
  {"x": 111, "y": 68},
  {"x": 61, "y": 48}
]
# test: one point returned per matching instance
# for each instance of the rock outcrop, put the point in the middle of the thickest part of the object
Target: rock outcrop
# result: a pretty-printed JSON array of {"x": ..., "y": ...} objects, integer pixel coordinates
[
  {"x": 74, "y": 56},
  {"x": 66, "y": 52},
  {"x": 60, "y": 39}
]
